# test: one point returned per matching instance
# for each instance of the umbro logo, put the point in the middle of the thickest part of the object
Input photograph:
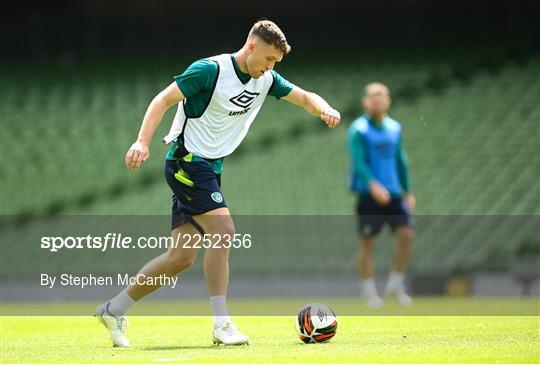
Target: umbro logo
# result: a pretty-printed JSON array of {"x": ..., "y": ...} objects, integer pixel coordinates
[
  {"x": 322, "y": 315},
  {"x": 244, "y": 99}
]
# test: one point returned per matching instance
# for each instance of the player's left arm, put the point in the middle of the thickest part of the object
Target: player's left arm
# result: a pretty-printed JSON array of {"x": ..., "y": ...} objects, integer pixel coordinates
[
  {"x": 403, "y": 173},
  {"x": 314, "y": 105}
]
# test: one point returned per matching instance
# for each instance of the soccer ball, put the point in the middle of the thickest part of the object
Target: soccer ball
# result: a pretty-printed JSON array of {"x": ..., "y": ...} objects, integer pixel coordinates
[{"x": 316, "y": 322}]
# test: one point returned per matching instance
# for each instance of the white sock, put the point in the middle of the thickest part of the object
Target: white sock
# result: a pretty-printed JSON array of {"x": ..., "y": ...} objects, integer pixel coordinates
[
  {"x": 219, "y": 310},
  {"x": 395, "y": 279},
  {"x": 120, "y": 303},
  {"x": 368, "y": 287}
]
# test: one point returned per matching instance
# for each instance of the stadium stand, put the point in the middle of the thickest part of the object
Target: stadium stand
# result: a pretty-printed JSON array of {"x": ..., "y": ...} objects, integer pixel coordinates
[{"x": 471, "y": 137}]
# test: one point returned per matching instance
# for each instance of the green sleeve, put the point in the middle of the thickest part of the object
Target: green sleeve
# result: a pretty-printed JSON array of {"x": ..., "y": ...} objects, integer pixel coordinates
[
  {"x": 199, "y": 76},
  {"x": 358, "y": 156},
  {"x": 403, "y": 168},
  {"x": 280, "y": 87}
]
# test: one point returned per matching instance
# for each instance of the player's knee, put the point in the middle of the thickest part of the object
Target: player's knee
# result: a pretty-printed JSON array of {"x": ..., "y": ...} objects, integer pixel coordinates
[
  {"x": 367, "y": 244},
  {"x": 407, "y": 235},
  {"x": 185, "y": 263},
  {"x": 226, "y": 230},
  {"x": 179, "y": 263}
]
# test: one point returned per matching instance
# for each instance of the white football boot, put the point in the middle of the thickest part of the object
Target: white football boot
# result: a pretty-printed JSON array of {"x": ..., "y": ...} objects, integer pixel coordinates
[
  {"x": 116, "y": 325},
  {"x": 399, "y": 290},
  {"x": 374, "y": 300},
  {"x": 369, "y": 293},
  {"x": 228, "y": 334}
]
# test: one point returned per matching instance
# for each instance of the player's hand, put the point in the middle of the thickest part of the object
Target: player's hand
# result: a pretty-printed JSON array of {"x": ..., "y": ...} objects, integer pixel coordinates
[
  {"x": 331, "y": 117},
  {"x": 137, "y": 154},
  {"x": 410, "y": 200},
  {"x": 379, "y": 193}
]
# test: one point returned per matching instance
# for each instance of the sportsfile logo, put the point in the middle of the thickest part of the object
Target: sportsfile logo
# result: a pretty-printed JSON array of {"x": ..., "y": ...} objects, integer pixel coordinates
[{"x": 243, "y": 100}]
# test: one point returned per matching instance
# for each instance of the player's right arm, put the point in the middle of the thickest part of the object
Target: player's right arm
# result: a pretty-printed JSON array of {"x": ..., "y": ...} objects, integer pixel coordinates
[
  {"x": 139, "y": 151},
  {"x": 314, "y": 105}
]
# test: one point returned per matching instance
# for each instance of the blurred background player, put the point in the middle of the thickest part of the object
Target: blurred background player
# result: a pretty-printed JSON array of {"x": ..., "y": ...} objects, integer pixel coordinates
[
  {"x": 379, "y": 177},
  {"x": 218, "y": 98}
]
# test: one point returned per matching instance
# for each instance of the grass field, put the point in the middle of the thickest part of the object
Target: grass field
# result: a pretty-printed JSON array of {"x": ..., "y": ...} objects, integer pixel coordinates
[{"x": 360, "y": 339}]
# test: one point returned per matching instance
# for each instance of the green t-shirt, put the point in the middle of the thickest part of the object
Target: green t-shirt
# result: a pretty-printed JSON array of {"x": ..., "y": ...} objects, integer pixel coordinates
[{"x": 198, "y": 81}]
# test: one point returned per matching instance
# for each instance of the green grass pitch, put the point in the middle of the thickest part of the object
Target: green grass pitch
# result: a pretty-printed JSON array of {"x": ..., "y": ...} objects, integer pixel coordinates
[{"x": 360, "y": 339}]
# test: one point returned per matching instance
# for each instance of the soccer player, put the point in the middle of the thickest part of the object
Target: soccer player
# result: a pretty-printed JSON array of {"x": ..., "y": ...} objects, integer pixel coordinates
[
  {"x": 380, "y": 178},
  {"x": 218, "y": 98}
]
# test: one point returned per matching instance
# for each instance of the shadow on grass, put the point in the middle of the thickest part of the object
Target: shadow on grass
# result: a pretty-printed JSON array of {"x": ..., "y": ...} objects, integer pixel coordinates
[
  {"x": 311, "y": 344},
  {"x": 167, "y": 348}
]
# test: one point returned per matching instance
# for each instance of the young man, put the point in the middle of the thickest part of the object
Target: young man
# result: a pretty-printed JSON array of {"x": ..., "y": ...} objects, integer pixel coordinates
[
  {"x": 218, "y": 98},
  {"x": 379, "y": 176}
]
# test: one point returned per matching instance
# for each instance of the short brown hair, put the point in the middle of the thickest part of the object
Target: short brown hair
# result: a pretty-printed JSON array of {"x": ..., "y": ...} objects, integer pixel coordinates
[
  {"x": 376, "y": 84},
  {"x": 269, "y": 32}
]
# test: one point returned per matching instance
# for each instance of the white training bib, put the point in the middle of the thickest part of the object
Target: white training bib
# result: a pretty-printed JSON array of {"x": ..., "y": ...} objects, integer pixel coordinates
[{"x": 226, "y": 120}]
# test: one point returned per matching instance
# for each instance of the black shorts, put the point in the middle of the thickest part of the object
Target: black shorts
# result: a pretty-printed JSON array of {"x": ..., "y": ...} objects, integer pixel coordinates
[
  {"x": 372, "y": 216},
  {"x": 196, "y": 189}
]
